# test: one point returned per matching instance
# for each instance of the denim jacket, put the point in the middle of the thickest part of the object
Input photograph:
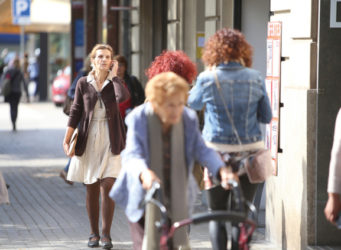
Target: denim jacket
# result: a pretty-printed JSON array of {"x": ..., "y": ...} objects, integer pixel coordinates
[
  {"x": 244, "y": 92},
  {"x": 127, "y": 191}
]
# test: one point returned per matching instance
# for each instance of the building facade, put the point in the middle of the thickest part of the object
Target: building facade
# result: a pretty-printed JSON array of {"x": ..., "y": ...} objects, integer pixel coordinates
[
  {"x": 308, "y": 96},
  {"x": 296, "y": 196}
]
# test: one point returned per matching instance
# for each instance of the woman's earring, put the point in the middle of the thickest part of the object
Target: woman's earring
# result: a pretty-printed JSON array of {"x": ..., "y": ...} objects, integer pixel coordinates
[{"x": 92, "y": 65}]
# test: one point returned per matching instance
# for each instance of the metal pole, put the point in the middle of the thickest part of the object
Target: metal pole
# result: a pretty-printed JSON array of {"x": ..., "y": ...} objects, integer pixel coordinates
[{"x": 22, "y": 41}]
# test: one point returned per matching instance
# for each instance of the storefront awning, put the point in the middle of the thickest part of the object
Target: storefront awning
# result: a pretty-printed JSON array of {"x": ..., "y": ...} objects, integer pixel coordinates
[{"x": 46, "y": 16}]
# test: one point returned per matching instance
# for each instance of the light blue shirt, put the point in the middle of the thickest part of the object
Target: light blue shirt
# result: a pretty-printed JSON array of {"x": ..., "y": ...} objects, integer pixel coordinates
[
  {"x": 127, "y": 190},
  {"x": 33, "y": 70}
]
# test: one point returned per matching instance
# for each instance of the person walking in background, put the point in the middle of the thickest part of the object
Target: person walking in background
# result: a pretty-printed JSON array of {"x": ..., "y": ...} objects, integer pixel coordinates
[
  {"x": 84, "y": 71},
  {"x": 228, "y": 57},
  {"x": 33, "y": 70},
  {"x": 333, "y": 206},
  {"x": 24, "y": 66},
  {"x": 132, "y": 84},
  {"x": 16, "y": 81},
  {"x": 67, "y": 105},
  {"x": 163, "y": 140},
  {"x": 3, "y": 55},
  {"x": 24, "y": 69},
  {"x": 101, "y": 139}
]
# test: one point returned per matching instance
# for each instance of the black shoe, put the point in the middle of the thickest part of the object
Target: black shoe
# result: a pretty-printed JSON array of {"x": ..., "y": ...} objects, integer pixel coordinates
[
  {"x": 14, "y": 127},
  {"x": 93, "y": 243},
  {"x": 106, "y": 244}
]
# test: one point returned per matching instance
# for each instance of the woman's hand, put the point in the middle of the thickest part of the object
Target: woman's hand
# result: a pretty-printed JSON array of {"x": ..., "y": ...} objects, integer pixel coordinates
[
  {"x": 66, "y": 141},
  {"x": 147, "y": 178},
  {"x": 226, "y": 174},
  {"x": 66, "y": 147},
  {"x": 333, "y": 207},
  {"x": 114, "y": 68}
]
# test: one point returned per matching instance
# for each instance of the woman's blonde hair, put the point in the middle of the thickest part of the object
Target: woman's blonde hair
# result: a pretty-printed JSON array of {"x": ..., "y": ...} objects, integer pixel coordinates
[
  {"x": 164, "y": 85},
  {"x": 101, "y": 46}
]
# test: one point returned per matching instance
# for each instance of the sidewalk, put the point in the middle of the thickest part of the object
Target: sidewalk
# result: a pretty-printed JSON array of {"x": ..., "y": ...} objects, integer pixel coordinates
[{"x": 45, "y": 212}]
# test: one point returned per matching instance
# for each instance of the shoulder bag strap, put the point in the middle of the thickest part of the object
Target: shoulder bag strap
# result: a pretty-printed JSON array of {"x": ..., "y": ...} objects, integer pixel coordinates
[{"x": 226, "y": 108}]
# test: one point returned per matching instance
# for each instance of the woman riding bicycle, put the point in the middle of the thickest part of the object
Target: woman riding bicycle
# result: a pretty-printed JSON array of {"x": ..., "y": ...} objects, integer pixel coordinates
[
  {"x": 228, "y": 57},
  {"x": 163, "y": 140}
]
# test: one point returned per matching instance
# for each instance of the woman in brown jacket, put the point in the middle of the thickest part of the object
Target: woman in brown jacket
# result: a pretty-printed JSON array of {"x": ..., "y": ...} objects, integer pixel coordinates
[{"x": 101, "y": 138}]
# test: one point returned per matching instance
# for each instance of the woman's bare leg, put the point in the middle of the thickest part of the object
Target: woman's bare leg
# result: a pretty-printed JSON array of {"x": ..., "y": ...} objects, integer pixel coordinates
[
  {"x": 92, "y": 206},
  {"x": 107, "y": 204}
]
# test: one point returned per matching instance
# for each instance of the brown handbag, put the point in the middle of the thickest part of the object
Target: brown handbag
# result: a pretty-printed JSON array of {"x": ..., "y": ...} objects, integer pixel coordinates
[
  {"x": 67, "y": 105},
  {"x": 259, "y": 166}
]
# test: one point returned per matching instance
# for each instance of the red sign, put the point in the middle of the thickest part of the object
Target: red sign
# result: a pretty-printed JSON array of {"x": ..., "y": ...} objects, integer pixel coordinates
[
  {"x": 273, "y": 86},
  {"x": 274, "y": 30}
]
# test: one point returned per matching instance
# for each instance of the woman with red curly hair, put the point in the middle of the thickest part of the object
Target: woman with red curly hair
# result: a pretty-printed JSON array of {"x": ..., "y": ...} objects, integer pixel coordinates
[
  {"x": 173, "y": 61},
  {"x": 236, "y": 102}
]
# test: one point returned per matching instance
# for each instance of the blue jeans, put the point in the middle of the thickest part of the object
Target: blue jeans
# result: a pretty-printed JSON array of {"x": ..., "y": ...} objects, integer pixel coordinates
[
  {"x": 218, "y": 232},
  {"x": 66, "y": 169}
]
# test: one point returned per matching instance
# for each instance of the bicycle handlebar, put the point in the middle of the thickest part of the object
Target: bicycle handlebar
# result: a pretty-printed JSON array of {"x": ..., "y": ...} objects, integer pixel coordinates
[
  {"x": 218, "y": 215},
  {"x": 238, "y": 195},
  {"x": 151, "y": 193},
  {"x": 154, "y": 196}
]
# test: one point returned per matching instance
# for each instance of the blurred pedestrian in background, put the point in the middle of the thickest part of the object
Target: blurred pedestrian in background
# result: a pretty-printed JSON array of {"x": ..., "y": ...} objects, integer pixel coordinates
[
  {"x": 68, "y": 103},
  {"x": 3, "y": 55},
  {"x": 228, "y": 57},
  {"x": 16, "y": 82},
  {"x": 163, "y": 140},
  {"x": 101, "y": 138},
  {"x": 132, "y": 84},
  {"x": 84, "y": 71},
  {"x": 333, "y": 206},
  {"x": 24, "y": 66},
  {"x": 34, "y": 71}
]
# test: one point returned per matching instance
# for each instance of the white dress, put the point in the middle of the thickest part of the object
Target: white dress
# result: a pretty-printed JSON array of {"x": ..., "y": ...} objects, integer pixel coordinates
[{"x": 97, "y": 161}]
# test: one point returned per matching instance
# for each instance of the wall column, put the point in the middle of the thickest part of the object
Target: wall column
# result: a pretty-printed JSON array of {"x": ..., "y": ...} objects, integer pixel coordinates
[{"x": 328, "y": 104}]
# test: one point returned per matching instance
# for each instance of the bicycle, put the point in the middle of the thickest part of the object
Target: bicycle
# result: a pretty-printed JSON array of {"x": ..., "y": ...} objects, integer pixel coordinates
[{"x": 239, "y": 215}]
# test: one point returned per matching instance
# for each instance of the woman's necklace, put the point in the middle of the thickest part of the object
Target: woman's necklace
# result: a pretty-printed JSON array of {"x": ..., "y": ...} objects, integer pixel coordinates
[
  {"x": 99, "y": 86},
  {"x": 98, "y": 83}
]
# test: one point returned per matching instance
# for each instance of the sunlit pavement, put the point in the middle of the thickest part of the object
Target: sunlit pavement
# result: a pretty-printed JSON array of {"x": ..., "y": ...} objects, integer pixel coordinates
[{"x": 45, "y": 212}]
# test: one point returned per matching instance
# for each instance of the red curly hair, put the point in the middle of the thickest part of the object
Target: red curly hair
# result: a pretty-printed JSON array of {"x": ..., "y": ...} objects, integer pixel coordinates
[
  {"x": 174, "y": 61},
  {"x": 227, "y": 45}
]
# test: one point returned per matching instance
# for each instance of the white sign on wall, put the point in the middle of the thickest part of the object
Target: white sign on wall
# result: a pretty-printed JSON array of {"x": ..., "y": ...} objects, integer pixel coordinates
[
  {"x": 272, "y": 83},
  {"x": 334, "y": 23}
]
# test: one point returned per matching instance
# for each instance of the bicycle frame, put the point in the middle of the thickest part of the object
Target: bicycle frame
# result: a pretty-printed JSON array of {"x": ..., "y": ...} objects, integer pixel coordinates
[{"x": 154, "y": 196}]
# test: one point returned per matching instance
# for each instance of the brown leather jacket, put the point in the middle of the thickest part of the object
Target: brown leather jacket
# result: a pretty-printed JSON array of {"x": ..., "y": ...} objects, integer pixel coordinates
[{"x": 82, "y": 110}]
